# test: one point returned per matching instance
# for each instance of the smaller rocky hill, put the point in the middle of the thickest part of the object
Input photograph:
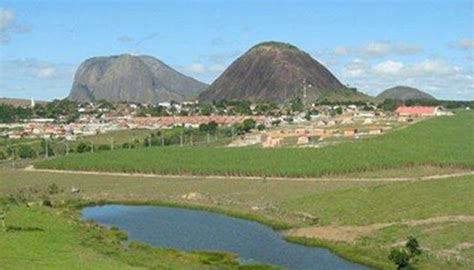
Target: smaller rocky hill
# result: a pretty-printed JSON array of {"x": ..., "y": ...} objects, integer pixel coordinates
[{"x": 404, "y": 93}]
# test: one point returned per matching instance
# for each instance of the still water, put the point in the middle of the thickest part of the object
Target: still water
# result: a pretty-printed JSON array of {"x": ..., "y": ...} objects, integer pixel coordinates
[{"x": 186, "y": 229}]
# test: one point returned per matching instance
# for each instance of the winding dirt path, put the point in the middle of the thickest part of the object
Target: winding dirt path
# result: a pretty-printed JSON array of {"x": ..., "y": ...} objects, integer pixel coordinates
[{"x": 311, "y": 179}]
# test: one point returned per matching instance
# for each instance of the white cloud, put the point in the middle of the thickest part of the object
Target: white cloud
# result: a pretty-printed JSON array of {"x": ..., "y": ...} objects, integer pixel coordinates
[
  {"x": 341, "y": 51},
  {"x": 7, "y": 17},
  {"x": 9, "y": 25},
  {"x": 125, "y": 39},
  {"x": 223, "y": 57},
  {"x": 47, "y": 72},
  {"x": 463, "y": 44},
  {"x": 355, "y": 69},
  {"x": 436, "y": 76},
  {"x": 201, "y": 69},
  {"x": 217, "y": 68},
  {"x": 388, "y": 67},
  {"x": 380, "y": 49},
  {"x": 195, "y": 68},
  {"x": 375, "y": 49},
  {"x": 35, "y": 69},
  {"x": 431, "y": 67}
]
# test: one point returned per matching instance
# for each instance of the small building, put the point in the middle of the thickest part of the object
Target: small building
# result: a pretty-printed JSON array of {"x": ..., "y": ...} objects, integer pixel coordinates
[
  {"x": 347, "y": 120},
  {"x": 420, "y": 111},
  {"x": 271, "y": 142},
  {"x": 377, "y": 131},
  {"x": 302, "y": 140},
  {"x": 368, "y": 121},
  {"x": 350, "y": 132}
]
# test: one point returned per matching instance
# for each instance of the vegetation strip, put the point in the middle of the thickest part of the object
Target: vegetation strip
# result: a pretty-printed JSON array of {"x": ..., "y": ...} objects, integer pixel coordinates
[{"x": 322, "y": 179}]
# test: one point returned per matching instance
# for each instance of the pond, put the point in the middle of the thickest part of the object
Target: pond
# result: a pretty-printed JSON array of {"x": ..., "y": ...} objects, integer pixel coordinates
[{"x": 185, "y": 229}]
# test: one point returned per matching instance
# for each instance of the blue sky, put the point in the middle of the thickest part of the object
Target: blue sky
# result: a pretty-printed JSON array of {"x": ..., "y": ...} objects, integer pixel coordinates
[{"x": 371, "y": 45}]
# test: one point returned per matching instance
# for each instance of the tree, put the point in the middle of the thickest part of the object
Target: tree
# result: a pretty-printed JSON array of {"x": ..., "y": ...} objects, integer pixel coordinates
[
  {"x": 260, "y": 127},
  {"x": 390, "y": 104},
  {"x": 3, "y": 214},
  {"x": 207, "y": 109},
  {"x": 404, "y": 257},
  {"x": 46, "y": 146},
  {"x": 248, "y": 124},
  {"x": 203, "y": 127},
  {"x": 83, "y": 147},
  {"x": 25, "y": 151},
  {"x": 297, "y": 104},
  {"x": 53, "y": 189},
  {"x": 400, "y": 257},
  {"x": 212, "y": 127},
  {"x": 238, "y": 129},
  {"x": 413, "y": 246},
  {"x": 103, "y": 147},
  {"x": 276, "y": 123}
]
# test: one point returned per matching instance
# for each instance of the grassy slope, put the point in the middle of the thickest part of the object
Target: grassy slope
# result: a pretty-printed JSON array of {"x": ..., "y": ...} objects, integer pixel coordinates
[
  {"x": 45, "y": 238},
  {"x": 394, "y": 203},
  {"x": 389, "y": 203},
  {"x": 235, "y": 194},
  {"x": 444, "y": 141},
  {"x": 338, "y": 203}
]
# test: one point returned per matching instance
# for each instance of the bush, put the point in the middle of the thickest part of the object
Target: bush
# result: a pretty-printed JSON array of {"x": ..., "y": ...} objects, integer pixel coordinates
[
  {"x": 276, "y": 123},
  {"x": 83, "y": 147},
  {"x": 53, "y": 189},
  {"x": 400, "y": 257},
  {"x": 248, "y": 124},
  {"x": 103, "y": 147},
  {"x": 404, "y": 257},
  {"x": 261, "y": 127},
  {"x": 26, "y": 151}
]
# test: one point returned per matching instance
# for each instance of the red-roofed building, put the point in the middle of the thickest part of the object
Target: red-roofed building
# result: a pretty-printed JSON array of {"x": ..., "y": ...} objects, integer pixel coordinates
[{"x": 420, "y": 111}]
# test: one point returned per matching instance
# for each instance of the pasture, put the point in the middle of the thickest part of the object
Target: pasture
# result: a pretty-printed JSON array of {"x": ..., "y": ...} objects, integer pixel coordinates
[
  {"x": 407, "y": 208},
  {"x": 55, "y": 238}
]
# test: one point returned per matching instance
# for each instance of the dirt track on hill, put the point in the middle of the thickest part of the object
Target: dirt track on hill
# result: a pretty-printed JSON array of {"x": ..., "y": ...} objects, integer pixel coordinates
[
  {"x": 352, "y": 233},
  {"x": 311, "y": 179}
]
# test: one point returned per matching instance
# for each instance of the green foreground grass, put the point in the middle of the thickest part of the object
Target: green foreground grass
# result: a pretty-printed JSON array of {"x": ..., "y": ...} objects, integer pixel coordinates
[
  {"x": 447, "y": 245},
  {"x": 55, "y": 238},
  {"x": 442, "y": 141}
]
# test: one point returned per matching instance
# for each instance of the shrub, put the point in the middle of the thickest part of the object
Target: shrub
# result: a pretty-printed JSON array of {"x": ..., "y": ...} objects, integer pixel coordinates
[
  {"x": 249, "y": 124},
  {"x": 404, "y": 258},
  {"x": 83, "y": 147},
  {"x": 26, "y": 151},
  {"x": 103, "y": 147},
  {"x": 53, "y": 189}
]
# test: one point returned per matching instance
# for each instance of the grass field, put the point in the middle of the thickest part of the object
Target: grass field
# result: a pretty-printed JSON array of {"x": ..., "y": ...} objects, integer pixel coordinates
[
  {"x": 360, "y": 220},
  {"x": 447, "y": 244},
  {"x": 47, "y": 238},
  {"x": 443, "y": 141}
]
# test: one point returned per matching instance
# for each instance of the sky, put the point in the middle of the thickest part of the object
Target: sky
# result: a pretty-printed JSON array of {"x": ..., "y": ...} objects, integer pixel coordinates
[{"x": 370, "y": 45}]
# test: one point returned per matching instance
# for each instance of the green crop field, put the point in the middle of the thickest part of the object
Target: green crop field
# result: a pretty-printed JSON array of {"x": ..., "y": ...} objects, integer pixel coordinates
[{"x": 443, "y": 141}]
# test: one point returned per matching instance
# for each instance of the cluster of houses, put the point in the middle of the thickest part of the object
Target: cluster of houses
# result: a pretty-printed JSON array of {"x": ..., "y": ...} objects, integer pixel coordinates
[{"x": 322, "y": 126}]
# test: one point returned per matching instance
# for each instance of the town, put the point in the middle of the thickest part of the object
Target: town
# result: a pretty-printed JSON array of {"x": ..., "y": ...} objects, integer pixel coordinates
[{"x": 274, "y": 125}]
